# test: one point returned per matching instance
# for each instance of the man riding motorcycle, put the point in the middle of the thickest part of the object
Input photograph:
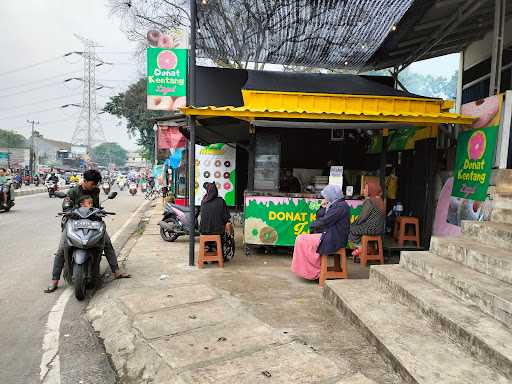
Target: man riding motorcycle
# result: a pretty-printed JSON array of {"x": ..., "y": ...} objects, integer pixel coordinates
[{"x": 88, "y": 186}]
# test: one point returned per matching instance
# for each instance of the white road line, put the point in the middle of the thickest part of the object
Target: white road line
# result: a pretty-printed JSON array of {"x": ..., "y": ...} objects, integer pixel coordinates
[{"x": 50, "y": 362}]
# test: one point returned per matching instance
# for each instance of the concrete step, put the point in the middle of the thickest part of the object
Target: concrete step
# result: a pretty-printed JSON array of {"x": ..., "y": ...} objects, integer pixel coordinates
[
  {"x": 492, "y": 296},
  {"x": 484, "y": 337},
  {"x": 501, "y": 207},
  {"x": 417, "y": 351},
  {"x": 489, "y": 233},
  {"x": 502, "y": 178},
  {"x": 495, "y": 262}
]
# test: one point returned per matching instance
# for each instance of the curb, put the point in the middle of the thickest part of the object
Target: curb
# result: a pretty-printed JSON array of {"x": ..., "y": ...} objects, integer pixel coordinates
[{"x": 34, "y": 191}]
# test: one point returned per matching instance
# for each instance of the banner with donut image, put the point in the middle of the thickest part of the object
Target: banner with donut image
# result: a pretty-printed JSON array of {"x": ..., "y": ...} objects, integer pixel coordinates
[
  {"x": 216, "y": 163},
  {"x": 166, "y": 73},
  {"x": 474, "y": 162}
]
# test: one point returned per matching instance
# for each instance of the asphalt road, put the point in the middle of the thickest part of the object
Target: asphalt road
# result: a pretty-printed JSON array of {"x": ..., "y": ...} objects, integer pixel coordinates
[{"x": 28, "y": 238}]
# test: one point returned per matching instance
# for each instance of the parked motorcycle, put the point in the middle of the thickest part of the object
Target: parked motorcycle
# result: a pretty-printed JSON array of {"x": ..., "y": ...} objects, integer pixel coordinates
[
  {"x": 51, "y": 186},
  {"x": 9, "y": 189},
  {"x": 176, "y": 222},
  {"x": 85, "y": 237},
  {"x": 106, "y": 187},
  {"x": 132, "y": 189}
]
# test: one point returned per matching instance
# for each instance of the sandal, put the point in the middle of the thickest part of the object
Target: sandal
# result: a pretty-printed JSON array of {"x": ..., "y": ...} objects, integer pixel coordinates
[
  {"x": 122, "y": 275},
  {"x": 51, "y": 288}
]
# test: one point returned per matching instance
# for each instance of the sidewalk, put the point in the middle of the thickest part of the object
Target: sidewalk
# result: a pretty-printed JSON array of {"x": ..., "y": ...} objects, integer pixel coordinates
[
  {"x": 30, "y": 190},
  {"x": 251, "y": 322}
]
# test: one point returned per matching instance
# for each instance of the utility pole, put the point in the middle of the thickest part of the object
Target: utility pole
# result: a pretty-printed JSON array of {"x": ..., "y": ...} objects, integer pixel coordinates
[{"x": 32, "y": 151}]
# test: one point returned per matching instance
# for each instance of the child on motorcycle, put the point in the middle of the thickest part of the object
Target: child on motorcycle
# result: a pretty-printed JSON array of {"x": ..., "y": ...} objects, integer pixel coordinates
[{"x": 86, "y": 201}]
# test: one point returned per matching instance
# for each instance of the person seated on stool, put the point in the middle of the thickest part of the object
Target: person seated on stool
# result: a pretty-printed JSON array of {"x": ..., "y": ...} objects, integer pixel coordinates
[
  {"x": 329, "y": 234},
  {"x": 372, "y": 219},
  {"x": 215, "y": 216}
]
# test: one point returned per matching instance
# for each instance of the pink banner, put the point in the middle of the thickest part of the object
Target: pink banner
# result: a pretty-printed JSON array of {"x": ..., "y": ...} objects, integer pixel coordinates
[{"x": 170, "y": 138}]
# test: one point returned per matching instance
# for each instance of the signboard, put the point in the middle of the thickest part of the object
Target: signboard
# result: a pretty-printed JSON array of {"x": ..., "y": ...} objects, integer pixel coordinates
[
  {"x": 473, "y": 163},
  {"x": 4, "y": 158},
  {"x": 170, "y": 138},
  {"x": 271, "y": 220},
  {"x": 216, "y": 163},
  {"x": 167, "y": 78},
  {"x": 336, "y": 176}
]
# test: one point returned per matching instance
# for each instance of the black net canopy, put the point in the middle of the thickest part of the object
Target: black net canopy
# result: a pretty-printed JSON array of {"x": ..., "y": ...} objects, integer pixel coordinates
[{"x": 318, "y": 33}]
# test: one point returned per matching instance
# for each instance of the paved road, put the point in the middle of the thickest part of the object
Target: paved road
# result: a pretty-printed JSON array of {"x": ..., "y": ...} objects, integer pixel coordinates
[{"x": 28, "y": 237}]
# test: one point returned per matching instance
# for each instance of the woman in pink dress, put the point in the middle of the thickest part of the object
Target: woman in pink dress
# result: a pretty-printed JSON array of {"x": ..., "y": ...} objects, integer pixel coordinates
[{"x": 330, "y": 233}]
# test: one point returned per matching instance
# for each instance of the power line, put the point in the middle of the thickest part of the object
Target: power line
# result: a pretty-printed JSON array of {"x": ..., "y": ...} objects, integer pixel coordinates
[
  {"x": 41, "y": 80},
  {"x": 20, "y": 106},
  {"x": 31, "y": 89},
  {"x": 44, "y": 123},
  {"x": 25, "y": 113},
  {"x": 25, "y": 67}
]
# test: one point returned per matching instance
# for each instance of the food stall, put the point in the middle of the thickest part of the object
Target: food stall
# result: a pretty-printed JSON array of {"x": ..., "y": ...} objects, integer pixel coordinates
[{"x": 300, "y": 124}]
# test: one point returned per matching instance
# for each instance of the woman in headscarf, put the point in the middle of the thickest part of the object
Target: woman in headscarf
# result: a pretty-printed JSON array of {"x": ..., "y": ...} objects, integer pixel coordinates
[
  {"x": 372, "y": 219},
  {"x": 215, "y": 219},
  {"x": 329, "y": 233}
]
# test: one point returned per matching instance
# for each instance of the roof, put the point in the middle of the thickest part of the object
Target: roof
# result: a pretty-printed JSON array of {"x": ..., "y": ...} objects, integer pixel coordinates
[{"x": 350, "y": 34}]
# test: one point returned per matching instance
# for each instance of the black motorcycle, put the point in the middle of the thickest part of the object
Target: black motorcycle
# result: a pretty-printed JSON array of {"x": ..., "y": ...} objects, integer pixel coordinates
[
  {"x": 85, "y": 240},
  {"x": 7, "y": 188}
]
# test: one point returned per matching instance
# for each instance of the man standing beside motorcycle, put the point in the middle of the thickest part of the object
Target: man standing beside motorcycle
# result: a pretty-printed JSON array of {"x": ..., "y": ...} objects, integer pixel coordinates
[{"x": 89, "y": 186}]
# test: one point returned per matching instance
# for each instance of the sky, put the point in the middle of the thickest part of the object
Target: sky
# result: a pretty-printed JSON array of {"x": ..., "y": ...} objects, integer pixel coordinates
[{"x": 43, "y": 31}]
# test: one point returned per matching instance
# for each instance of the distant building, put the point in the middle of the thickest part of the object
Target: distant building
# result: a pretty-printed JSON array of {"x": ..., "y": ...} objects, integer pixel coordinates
[
  {"x": 135, "y": 160},
  {"x": 15, "y": 158},
  {"x": 51, "y": 152}
]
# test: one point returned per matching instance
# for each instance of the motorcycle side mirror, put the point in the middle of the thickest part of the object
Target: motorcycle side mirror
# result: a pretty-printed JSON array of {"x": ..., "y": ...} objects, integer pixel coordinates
[
  {"x": 112, "y": 195},
  {"x": 60, "y": 194}
]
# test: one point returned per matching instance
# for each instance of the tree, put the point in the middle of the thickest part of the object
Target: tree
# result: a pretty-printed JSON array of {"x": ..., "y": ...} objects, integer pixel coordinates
[
  {"x": 108, "y": 153},
  {"x": 12, "y": 139},
  {"x": 131, "y": 105}
]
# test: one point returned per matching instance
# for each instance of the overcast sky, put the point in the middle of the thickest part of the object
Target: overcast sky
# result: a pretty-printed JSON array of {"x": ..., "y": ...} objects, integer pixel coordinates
[{"x": 42, "y": 30}]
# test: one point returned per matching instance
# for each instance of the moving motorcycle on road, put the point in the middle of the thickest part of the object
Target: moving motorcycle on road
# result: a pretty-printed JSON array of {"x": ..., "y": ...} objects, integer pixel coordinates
[
  {"x": 51, "y": 186},
  {"x": 106, "y": 187},
  {"x": 121, "y": 184},
  {"x": 85, "y": 237},
  {"x": 36, "y": 181},
  {"x": 132, "y": 189}
]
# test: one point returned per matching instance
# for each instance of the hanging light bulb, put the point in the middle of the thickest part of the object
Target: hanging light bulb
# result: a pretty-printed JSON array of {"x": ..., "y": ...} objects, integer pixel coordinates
[
  {"x": 346, "y": 62},
  {"x": 204, "y": 2},
  {"x": 394, "y": 27}
]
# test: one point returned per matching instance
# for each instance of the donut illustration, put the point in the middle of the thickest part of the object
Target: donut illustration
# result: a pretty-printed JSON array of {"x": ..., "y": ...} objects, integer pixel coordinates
[
  {"x": 218, "y": 163},
  {"x": 226, "y": 175},
  {"x": 484, "y": 109},
  {"x": 216, "y": 174},
  {"x": 167, "y": 59},
  {"x": 268, "y": 235},
  {"x": 206, "y": 174},
  {"x": 476, "y": 145},
  {"x": 227, "y": 163},
  {"x": 227, "y": 186},
  {"x": 207, "y": 163},
  {"x": 252, "y": 228}
]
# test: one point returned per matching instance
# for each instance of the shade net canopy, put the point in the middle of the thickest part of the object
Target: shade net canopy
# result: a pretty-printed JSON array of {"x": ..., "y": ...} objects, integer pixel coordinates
[{"x": 315, "y": 33}]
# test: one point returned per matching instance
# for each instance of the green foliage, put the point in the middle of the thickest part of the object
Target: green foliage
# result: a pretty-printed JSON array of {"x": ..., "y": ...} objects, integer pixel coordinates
[
  {"x": 108, "y": 153},
  {"x": 131, "y": 105},
  {"x": 12, "y": 139}
]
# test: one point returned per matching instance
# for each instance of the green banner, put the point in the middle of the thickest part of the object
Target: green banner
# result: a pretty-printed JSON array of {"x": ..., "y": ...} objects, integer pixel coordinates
[
  {"x": 4, "y": 155},
  {"x": 473, "y": 163},
  {"x": 167, "y": 78},
  {"x": 272, "y": 220},
  {"x": 399, "y": 140}
]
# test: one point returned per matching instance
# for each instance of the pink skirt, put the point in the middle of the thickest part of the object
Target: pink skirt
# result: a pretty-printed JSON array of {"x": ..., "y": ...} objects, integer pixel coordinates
[{"x": 306, "y": 262}]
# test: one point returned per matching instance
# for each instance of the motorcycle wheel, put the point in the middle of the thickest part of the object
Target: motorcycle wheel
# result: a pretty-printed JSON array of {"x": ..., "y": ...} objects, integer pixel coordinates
[
  {"x": 79, "y": 273},
  {"x": 168, "y": 235}
]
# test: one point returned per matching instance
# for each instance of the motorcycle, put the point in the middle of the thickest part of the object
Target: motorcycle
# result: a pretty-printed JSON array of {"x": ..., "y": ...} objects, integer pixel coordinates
[
  {"x": 26, "y": 181},
  {"x": 51, "y": 186},
  {"x": 143, "y": 187},
  {"x": 36, "y": 181},
  {"x": 132, "y": 189},
  {"x": 85, "y": 237},
  {"x": 121, "y": 184},
  {"x": 106, "y": 187},
  {"x": 176, "y": 222},
  {"x": 8, "y": 188}
]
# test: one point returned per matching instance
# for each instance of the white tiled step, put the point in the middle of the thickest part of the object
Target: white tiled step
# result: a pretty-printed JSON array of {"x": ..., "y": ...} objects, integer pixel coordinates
[
  {"x": 418, "y": 352},
  {"x": 490, "y": 295},
  {"x": 486, "y": 338},
  {"x": 493, "y": 261}
]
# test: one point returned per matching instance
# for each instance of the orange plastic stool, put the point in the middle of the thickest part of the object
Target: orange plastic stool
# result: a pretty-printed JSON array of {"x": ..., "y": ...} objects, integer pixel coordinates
[
  {"x": 366, "y": 255},
  {"x": 210, "y": 256},
  {"x": 338, "y": 271},
  {"x": 400, "y": 232}
]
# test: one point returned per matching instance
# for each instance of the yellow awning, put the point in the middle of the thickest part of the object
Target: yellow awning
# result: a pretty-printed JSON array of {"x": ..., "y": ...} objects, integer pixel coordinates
[{"x": 315, "y": 106}]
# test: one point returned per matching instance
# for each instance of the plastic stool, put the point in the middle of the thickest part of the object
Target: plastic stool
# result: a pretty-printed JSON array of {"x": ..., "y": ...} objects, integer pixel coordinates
[
  {"x": 401, "y": 230},
  {"x": 366, "y": 255},
  {"x": 210, "y": 256},
  {"x": 338, "y": 271}
]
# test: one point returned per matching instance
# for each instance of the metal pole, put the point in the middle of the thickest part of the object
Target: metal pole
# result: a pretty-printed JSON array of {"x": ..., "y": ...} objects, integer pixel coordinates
[
  {"x": 497, "y": 47},
  {"x": 89, "y": 103},
  {"x": 31, "y": 160},
  {"x": 192, "y": 125}
]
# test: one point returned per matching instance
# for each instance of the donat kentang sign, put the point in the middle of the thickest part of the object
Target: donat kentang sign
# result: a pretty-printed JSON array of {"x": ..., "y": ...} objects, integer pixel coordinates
[{"x": 167, "y": 78}]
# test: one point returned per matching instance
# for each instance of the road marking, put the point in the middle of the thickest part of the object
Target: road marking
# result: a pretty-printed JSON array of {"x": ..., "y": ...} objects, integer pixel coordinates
[{"x": 50, "y": 362}]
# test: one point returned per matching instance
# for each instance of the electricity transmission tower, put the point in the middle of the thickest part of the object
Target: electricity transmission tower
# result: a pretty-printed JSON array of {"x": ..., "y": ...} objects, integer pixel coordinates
[{"x": 88, "y": 129}]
